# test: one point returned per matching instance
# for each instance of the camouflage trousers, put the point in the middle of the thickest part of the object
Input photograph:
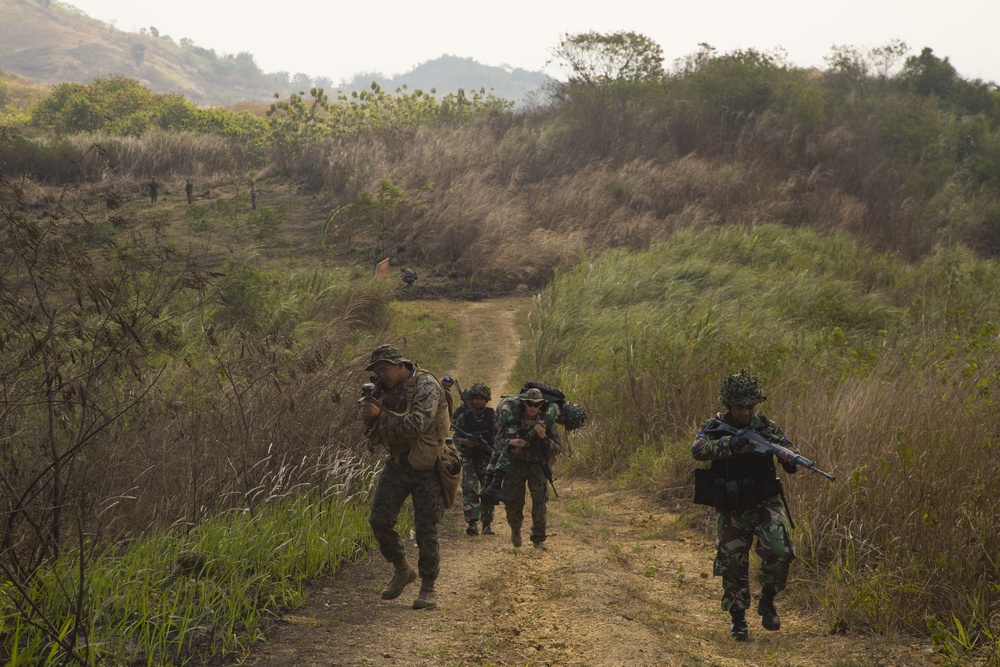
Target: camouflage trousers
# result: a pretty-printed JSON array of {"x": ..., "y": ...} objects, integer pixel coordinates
[
  {"x": 395, "y": 483},
  {"x": 735, "y": 530},
  {"x": 519, "y": 474},
  {"x": 473, "y": 472}
]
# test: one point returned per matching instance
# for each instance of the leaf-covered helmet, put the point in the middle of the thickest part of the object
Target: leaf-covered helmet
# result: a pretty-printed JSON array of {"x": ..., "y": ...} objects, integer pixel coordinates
[
  {"x": 576, "y": 416},
  {"x": 741, "y": 389},
  {"x": 480, "y": 389}
]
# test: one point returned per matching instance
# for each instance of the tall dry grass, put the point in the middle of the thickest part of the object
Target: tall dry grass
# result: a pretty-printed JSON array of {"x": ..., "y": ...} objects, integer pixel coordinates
[{"x": 883, "y": 372}]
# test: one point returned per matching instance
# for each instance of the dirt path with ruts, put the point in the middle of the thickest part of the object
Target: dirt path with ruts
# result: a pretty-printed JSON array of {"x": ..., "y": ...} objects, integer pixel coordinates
[{"x": 623, "y": 584}]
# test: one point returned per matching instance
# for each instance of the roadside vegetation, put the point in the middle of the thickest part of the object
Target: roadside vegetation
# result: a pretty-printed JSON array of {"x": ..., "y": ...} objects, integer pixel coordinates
[
  {"x": 881, "y": 370},
  {"x": 176, "y": 374}
]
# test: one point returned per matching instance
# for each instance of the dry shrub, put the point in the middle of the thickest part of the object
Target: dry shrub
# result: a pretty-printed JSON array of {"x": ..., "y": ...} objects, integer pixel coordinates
[{"x": 916, "y": 471}]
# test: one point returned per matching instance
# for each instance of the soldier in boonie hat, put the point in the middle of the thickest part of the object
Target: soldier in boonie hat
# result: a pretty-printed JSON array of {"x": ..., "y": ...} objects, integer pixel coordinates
[
  {"x": 532, "y": 397},
  {"x": 387, "y": 353}
]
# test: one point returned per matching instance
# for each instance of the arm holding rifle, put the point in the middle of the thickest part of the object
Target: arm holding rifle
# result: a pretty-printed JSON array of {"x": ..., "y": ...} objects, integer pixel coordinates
[{"x": 766, "y": 441}]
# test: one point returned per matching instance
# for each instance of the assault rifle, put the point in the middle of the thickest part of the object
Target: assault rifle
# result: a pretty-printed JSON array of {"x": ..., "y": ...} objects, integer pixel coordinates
[
  {"x": 762, "y": 442},
  {"x": 540, "y": 451},
  {"x": 481, "y": 446},
  {"x": 371, "y": 389}
]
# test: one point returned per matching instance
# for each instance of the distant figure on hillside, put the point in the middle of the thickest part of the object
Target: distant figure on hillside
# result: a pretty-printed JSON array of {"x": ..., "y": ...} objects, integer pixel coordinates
[
  {"x": 745, "y": 490},
  {"x": 409, "y": 276},
  {"x": 253, "y": 197},
  {"x": 189, "y": 189},
  {"x": 154, "y": 188}
]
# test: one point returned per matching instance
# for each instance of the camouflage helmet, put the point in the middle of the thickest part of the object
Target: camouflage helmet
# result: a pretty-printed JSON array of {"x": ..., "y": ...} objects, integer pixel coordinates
[
  {"x": 576, "y": 416},
  {"x": 741, "y": 389},
  {"x": 465, "y": 395},
  {"x": 480, "y": 389}
]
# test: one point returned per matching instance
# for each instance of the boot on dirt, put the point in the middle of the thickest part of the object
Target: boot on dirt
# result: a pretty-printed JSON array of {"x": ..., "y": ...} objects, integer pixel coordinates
[
  {"x": 768, "y": 613},
  {"x": 404, "y": 576},
  {"x": 472, "y": 529},
  {"x": 487, "y": 530},
  {"x": 515, "y": 536},
  {"x": 493, "y": 493},
  {"x": 739, "y": 630},
  {"x": 426, "y": 598},
  {"x": 541, "y": 546}
]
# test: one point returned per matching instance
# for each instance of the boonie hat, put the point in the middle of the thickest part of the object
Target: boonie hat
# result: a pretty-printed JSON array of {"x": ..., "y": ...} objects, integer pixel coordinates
[
  {"x": 532, "y": 396},
  {"x": 388, "y": 353}
]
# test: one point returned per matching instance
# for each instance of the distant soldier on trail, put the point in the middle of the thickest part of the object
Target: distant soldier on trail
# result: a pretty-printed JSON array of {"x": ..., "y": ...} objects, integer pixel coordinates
[
  {"x": 154, "y": 188},
  {"x": 479, "y": 422},
  {"x": 253, "y": 197},
  {"x": 409, "y": 276},
  {"x": 189, "y": 190},
  {"x": 527, "y": 439}
]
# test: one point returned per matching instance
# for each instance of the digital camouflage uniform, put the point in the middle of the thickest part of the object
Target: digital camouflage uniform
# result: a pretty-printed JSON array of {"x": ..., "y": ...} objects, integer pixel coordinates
[
  {"x": 736, "y": 529},
  {"x": 521, "y": 469},
  {"x": 422, "y": 395},
  {"x": 475, "y": 463}
]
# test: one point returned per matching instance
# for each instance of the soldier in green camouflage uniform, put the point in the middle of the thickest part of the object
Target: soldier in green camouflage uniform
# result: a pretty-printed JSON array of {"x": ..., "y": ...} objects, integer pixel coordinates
[
  {"x": 476, "y": 420},
  {"x": 410, "y": 416},
  {"x": 521, "y": 417},
  {"x": 758, "y": 509}
]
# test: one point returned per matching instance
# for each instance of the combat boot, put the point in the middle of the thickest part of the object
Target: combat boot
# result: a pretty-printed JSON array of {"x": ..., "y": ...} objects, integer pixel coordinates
[
  {"x": 739, "y": 630},
  {"x": 487, "y": 530},
  {"x": 515, "y": 536},
  {"x": 768, "y": 613},
  {"x": 472, "y": 529},
  {"x": 494, "y": 492},
  {"x": 404, "y": 576},
  {"x": 426, "y": 599}
]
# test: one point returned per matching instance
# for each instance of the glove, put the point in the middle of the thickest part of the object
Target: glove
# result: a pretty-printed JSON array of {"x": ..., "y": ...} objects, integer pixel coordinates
[{"x": 738, "y": 445}]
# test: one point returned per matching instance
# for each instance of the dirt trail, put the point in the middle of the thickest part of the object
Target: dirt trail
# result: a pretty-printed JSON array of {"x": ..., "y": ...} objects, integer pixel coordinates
[{"x": 623, "y": 584}]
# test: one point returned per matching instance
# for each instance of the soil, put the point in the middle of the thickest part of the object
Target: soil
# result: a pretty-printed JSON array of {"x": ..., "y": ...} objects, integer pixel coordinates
[{"x": 625, "y": 582}]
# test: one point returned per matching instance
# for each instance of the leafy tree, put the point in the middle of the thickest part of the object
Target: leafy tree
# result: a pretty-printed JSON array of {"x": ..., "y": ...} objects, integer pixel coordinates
[
  {"x": 929, "y": 75},
  {"x": 609, "y": 76},
  {"x": 599, "y": 58}
]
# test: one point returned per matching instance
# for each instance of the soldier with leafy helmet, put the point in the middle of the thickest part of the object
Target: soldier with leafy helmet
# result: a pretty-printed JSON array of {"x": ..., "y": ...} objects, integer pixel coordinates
[
  {"x": 478, "y": 421},
  {"x": 744, "y": 488}
]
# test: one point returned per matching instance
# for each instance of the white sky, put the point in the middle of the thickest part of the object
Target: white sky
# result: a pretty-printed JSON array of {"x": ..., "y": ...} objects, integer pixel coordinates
[{"x": 339, "y": 38}]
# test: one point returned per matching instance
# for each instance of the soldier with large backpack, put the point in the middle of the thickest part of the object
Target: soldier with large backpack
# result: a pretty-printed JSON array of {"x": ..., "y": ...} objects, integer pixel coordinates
[{"x": 527, "y": 440}]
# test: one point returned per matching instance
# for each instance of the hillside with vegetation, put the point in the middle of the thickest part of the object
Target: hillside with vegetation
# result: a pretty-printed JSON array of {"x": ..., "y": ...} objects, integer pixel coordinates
[
  {"x": 52, "y": 42},
  {"x": 837, "y": 232}
]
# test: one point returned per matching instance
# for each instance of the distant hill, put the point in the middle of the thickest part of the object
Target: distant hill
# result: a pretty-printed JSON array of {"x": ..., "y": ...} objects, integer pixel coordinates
[
  {"x": 449, "y": 73},
  {"x": 51, "y": 42}
]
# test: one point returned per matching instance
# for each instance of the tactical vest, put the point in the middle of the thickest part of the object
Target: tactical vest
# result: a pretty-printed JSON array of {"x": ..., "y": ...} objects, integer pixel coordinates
[
  {"x": 400, "y": 402},
  {"x": 738, "y": 483},
  {"x": 483, "y": 426}
]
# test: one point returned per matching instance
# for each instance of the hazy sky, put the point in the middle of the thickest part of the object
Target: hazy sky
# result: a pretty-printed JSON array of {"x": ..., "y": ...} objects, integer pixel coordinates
[{"x": 339, "y": 38}]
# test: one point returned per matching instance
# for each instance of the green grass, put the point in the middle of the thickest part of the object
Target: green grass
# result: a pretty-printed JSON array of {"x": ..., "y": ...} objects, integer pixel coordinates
[{"x": 178, "y": 597}]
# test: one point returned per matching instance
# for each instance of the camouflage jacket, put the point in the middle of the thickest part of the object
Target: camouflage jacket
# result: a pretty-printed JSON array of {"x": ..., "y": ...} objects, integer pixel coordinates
[
  {"x": 706, "y": 448},
  {"x": 513, "y": 424},
  {"x": 417, "y": 401}
]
